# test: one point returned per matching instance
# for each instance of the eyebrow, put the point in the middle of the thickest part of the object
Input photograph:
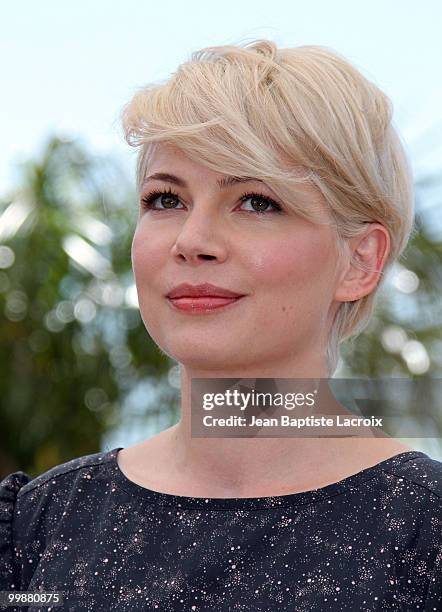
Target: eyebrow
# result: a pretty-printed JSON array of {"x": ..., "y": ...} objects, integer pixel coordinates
[{"x": 222, "y": 183}]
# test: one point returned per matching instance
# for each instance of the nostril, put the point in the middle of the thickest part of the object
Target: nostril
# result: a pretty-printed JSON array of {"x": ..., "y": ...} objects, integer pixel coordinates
[{"x": 207, "y": 256}]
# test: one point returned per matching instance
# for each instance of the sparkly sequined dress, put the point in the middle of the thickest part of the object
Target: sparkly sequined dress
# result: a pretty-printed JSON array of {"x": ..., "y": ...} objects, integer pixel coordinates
[{"x": 372, "y": 541}]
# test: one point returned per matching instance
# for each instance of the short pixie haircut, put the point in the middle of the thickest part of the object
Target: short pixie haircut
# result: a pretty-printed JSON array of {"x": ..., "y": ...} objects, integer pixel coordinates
[{"x": 260, "y": 111}]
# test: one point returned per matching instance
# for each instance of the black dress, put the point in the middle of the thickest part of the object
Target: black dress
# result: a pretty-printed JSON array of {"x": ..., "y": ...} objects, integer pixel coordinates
[{"x": 372, "y": 541}]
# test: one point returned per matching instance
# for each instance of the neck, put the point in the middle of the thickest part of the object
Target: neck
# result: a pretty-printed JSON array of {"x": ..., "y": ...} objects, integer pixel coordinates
[{"x": 252, "y": 466}]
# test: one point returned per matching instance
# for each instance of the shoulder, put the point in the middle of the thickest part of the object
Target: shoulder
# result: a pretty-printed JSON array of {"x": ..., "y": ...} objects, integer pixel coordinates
[
  {"x": 31, "y": 507},
  {"x": 420, "y": 483},
  {"x": 415, "y": 490},
  {"x": 416, "y": 484},
  {"x": 43, "y": 498},
  {"x": 17, "y": 487},
  {"x": 420, "y": 473},
  {"x": 67, "y": 472}
]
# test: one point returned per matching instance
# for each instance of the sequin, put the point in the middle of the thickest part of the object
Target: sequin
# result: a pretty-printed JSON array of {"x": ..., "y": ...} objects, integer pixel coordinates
[{"x": 372, "y": 541}]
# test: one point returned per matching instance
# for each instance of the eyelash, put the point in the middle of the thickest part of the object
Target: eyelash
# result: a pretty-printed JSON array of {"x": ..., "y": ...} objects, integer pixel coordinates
[{"x": 147, "y": 201}]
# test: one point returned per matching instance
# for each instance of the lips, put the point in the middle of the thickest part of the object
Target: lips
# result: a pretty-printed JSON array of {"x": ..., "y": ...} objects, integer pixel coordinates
[
  {"x": 204, "y": 290},
  {"x": 202, "y": 299},
  {"x": 201, "y": 305}
]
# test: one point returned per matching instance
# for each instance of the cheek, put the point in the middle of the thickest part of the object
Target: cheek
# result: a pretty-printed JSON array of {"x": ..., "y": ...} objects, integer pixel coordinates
[
  {"x": 291, "y": 262},
  {"x": 147, "y": 253}
]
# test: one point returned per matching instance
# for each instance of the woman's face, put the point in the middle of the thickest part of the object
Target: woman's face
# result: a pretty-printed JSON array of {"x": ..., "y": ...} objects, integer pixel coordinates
[{"x": 283, "y": 265}]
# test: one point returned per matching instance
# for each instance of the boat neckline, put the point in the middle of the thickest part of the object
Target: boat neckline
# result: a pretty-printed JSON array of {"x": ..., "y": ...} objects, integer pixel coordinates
[{"x": 256, "y": 503}]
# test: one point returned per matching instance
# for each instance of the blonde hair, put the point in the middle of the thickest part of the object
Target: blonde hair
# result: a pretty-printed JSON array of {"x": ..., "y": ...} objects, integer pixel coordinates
[{"x": 262, "y": 111}]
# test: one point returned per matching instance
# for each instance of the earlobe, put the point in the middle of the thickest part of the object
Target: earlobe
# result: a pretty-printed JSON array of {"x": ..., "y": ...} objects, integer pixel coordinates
[{"x": 368, "y": 254}]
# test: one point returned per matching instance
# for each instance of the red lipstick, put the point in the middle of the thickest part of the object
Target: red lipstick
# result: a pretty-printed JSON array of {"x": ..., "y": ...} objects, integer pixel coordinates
[{"x": 201, "y": 298}]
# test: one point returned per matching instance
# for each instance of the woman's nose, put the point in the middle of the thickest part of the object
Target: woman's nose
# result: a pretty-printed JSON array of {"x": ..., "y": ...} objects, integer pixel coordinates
[{"x": 200, "y": 238}]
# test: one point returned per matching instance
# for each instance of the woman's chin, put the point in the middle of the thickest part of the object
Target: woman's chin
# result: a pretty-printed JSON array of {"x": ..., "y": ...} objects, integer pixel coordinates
[{"x": 205, "y": 356}]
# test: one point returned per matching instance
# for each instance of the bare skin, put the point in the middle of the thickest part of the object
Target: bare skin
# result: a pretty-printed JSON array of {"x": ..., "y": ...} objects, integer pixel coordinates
[
  {"x": 288, "y": 270},
  {"x": 149, "y": 466}
]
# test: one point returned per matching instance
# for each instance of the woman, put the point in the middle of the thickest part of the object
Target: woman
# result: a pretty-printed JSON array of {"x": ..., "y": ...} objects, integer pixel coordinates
[{"x": 273, "y": 178}]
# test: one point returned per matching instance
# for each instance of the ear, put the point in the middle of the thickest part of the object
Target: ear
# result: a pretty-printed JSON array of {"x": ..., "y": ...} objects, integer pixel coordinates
[{"x": 360, "y": 276}]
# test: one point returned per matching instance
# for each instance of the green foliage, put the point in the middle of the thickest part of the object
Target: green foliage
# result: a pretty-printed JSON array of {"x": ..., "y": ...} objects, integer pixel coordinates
[
  {"x": 417, "y": 314},
  {"x": 404, "y": 337},
  {"x": 72, "y": 345}
]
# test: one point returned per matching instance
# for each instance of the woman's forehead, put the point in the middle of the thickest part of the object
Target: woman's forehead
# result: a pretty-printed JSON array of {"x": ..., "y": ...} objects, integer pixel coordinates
[{"x": 163, "y": 154}]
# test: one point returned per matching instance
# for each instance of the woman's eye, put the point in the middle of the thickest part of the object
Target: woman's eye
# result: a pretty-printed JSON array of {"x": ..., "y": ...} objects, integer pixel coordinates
[
  {"x": 168, "y": 200},
  {"x": 260, "y": 203}
]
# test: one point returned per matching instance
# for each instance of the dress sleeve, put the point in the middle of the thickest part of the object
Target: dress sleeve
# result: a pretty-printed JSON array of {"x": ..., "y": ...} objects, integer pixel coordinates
[
  {"x": 431, "y": 554},
  {"x": 9, "y": 488},
  {"x": 433, "y": 600}
]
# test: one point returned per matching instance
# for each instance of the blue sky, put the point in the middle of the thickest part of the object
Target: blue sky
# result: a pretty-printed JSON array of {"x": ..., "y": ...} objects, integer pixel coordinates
[{"x": 68, "y": 67}]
